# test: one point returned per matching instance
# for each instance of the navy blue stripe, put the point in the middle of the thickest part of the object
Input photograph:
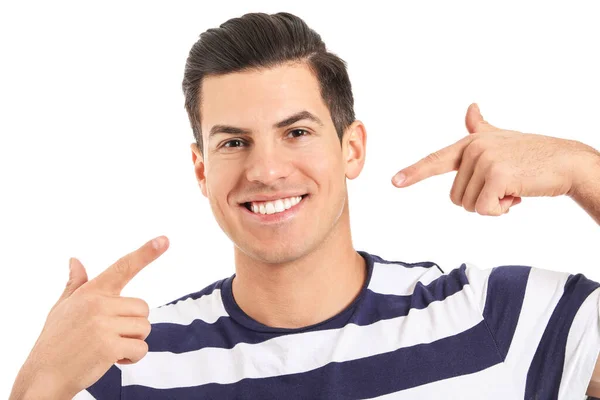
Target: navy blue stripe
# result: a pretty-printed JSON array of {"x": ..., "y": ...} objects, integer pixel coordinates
[
  {"x": 108, "y": 387},
  {"x": 505, "y": 294},
  {"x": 545, "y": 371},
  {"x": 376, "y": 306},
  {"x": 465, "y": 353},
  {"x": 371, "y": 307}
]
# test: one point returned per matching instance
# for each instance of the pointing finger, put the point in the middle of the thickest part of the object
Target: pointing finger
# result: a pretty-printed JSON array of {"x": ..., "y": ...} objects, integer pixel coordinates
[
  {"x": 115, "y": 277},
  {"x": 437, "y": 163}
]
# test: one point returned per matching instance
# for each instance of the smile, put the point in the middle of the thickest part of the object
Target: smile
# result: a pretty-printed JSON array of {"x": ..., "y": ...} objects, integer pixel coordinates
[
  {"x": 274, "y": 211},
  {"x": 274, "y": 206}
]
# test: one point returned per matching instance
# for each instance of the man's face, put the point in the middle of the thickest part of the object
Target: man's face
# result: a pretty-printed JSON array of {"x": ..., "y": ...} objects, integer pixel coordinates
[{"x": 252, "y": 154}]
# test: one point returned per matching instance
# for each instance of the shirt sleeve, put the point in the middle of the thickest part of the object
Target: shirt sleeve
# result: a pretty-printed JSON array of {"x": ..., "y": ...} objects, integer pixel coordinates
[
  {"x": 108, "y": 387},
  {"x": 546, "y": 325}
]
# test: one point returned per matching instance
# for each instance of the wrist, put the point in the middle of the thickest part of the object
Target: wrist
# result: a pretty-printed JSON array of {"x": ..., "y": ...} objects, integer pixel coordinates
[
  {"x": 586, "y": 171},
  {"x": 40, "y": 385}
]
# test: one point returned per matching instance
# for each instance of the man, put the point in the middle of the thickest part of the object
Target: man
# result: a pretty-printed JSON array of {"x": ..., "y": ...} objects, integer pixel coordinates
[{"x": 306, "y": 315}]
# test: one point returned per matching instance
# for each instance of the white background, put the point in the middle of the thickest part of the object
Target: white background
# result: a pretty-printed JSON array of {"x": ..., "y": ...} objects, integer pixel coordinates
[{"x": 95, "y": 157}]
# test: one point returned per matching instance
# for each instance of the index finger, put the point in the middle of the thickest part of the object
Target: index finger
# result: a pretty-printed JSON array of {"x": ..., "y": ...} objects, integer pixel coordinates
[
  {"x": 115, "y": 277},
  {"x": 437, "y": 163}
]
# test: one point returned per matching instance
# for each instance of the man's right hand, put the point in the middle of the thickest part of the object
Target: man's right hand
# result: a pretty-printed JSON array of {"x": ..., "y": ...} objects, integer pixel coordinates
[{"x": 90, "y": 328}]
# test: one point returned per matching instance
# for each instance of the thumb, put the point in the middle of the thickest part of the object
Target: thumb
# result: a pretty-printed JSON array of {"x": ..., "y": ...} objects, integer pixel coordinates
[
  {"x": 77, "y": 277},
  {"x": 475, "y": 122}
]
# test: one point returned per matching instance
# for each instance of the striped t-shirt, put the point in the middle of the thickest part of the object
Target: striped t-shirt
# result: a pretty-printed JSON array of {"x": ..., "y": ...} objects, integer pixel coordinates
[{"x": 414, "y": 332}]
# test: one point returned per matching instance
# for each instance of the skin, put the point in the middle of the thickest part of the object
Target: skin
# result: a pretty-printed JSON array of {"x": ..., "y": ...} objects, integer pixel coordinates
[
  {"x": 315, "y": 272},
  {"x": 281, "y": 270}
]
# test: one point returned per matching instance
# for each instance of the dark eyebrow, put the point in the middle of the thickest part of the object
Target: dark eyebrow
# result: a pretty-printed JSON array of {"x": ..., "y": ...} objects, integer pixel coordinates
[
  {"x": 281, "y": 124},
  {"x": 298, "y": 117}
]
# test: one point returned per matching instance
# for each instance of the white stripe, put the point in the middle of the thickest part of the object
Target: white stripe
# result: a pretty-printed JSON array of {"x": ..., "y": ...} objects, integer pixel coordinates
[
  {"x": 207, "y": 308},
  {"x": 84, "y": 395},
  {"x": 544, "y": 290},
  {"x": 400, "y": 280},
  {"x": 296, "y": 353},
  {"x": 582, "y": 347},
  {"x": 478, "y": 283}
]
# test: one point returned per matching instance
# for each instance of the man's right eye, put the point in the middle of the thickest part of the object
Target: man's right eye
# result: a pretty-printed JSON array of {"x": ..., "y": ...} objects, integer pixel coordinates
[{"x": 236, "y": 141}]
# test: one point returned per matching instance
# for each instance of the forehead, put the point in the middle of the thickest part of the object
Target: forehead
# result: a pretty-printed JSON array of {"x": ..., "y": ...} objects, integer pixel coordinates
[{"x": 260, "y": 97}]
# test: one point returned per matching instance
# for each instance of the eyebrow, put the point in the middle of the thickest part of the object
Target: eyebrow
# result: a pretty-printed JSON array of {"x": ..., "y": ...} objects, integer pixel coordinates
[{"x": 292, "y": 119}]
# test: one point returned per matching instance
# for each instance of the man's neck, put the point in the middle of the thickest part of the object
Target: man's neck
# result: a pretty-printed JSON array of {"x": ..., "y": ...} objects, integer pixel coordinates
[{"x": 306, "y": 291}]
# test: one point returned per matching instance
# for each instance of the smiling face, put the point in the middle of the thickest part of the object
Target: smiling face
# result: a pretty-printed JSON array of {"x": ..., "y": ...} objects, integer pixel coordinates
[{"x": 273, "y": 168}]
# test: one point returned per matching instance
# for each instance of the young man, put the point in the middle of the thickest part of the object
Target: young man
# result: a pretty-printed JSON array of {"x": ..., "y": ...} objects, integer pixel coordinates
[{"x": 306, "y": 315}]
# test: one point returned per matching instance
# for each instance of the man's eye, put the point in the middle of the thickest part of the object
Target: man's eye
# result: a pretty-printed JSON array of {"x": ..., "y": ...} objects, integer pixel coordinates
[
  {"x": 229, "y": 143},
  {"x": 299, "y": 130}
]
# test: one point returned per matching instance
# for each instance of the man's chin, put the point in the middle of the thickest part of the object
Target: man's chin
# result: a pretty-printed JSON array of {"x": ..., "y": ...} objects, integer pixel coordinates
[{"x": 275, "y": 254}]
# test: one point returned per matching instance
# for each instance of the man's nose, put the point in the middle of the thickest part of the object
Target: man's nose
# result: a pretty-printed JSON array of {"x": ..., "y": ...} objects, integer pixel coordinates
[{"x": 267, "y": 164}]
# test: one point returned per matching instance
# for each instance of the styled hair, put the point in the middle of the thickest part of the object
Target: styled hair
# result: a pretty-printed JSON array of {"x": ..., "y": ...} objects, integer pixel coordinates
[{"x": 259, "y": 40}]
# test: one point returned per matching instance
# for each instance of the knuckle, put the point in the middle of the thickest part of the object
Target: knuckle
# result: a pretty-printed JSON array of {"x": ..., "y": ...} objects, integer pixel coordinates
[
  {"x": 144, "y": 308},
  {"x": 496, "y": 171},
  {"x": 454, "y": 196},
  {"x": 143, "y": 347},
  {"x": 481, "y": 210},
  {"x": 139, "y": 348},
  {"x": 146, "y": 328},
  {"x": 123, "y": 266},
  {"x": 468, "y": 204},
  {"x": 458, "y": 189},
  {"x": 486, "y": 158},
  {"x": 474, "y": 149},
  {"x": 433, "y": 157}
]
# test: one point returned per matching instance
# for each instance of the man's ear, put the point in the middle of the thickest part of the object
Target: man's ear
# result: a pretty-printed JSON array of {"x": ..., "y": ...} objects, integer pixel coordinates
[
  {"x": 354, "y": 148},
  {"x": 198, "y": 161}
]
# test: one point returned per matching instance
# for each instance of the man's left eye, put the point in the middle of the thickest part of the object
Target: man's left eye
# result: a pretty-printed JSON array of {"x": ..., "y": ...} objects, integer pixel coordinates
[{"x": 299, "y": 130}]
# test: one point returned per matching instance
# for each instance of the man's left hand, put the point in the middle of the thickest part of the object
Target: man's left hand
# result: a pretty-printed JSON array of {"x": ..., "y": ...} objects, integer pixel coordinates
[{"x": 497, "y": 167}]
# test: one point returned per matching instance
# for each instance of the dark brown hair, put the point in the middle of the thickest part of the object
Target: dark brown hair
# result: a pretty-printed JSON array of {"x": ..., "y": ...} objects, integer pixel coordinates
[{"x": 259, "y": 40}]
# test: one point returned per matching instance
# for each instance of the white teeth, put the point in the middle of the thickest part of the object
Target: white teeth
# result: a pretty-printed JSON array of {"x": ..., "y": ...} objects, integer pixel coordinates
[
  {"x": 271, "y": 207},
  {"x": 279, "y": 205}
]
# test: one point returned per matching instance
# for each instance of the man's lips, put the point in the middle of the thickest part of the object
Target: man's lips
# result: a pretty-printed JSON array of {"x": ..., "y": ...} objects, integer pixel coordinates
[
  {"x": 276, "y": 217},
  {"x": 272, "y": 197}
]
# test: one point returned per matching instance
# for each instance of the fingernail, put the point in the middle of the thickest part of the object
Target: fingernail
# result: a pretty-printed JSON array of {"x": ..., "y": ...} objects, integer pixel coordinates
[
  {"x": 399, "y": 178},
  {"x": 158, "y": 242},
  {"x": 476, "y": 107}
]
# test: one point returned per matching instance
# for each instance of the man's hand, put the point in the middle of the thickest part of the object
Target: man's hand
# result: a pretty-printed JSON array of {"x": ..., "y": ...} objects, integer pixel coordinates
[
  {"x": 497, "y": 167},
  {"x": 90, "y": 328}
]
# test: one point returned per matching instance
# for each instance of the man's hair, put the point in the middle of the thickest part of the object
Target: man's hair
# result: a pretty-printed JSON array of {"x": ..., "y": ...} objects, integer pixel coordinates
[{"x": 259, "y": 40}]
